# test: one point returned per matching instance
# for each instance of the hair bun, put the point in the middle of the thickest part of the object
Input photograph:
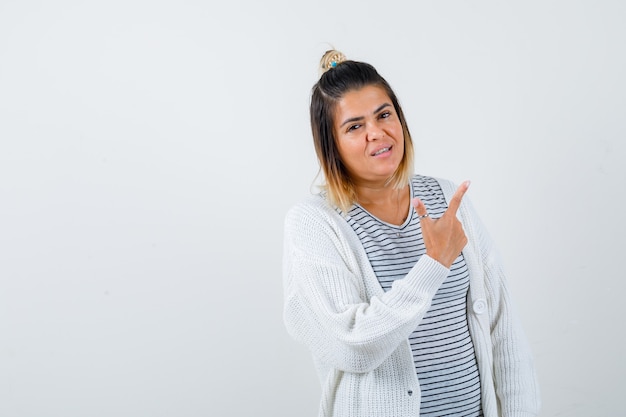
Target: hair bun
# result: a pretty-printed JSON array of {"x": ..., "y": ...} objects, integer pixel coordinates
[{"x": 330, "y": 60}]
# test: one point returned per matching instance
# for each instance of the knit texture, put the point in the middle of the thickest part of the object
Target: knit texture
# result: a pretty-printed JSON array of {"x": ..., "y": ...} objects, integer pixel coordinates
[
  {"x": 358, "y": 333},
  {"x": 443, "y": 350}
]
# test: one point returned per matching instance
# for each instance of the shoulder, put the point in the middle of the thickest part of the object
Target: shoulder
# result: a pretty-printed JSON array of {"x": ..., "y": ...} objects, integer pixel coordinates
[
  {"x": 312, "y": 213},
  {"x": 311, "y": 206},
  {"x": 315, "y": 228}
]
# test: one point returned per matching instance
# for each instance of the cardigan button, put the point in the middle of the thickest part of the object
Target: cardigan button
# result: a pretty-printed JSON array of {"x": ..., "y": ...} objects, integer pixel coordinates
[
  {"x": 479, "y": 306},
  {"x": 410, "y": 392}
]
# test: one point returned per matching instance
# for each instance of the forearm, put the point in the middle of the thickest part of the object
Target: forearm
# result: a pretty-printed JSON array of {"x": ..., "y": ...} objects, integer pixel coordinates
[{"x": 327, "y": 311}]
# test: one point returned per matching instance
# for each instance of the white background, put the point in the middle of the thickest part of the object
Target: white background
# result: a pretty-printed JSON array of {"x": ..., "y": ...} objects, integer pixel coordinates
[{"x": 150, "y": 149}]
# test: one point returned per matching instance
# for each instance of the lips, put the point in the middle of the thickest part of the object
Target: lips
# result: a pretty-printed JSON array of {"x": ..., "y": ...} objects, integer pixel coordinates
[{"x": 381, "y": 150}]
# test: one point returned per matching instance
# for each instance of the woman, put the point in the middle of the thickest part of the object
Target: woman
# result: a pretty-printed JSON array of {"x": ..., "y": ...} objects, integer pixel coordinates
[{"x": 390, "y": 279}]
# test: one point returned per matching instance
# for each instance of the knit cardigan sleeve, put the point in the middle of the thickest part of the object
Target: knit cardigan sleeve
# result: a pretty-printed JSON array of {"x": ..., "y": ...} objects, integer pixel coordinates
[
  {"x": 514, "y": 375},
  {"x": 328, "y": 304}
]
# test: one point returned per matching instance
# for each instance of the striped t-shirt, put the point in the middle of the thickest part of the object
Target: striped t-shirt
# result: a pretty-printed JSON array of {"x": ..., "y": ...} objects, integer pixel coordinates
[{"x": 443, "y": 351}]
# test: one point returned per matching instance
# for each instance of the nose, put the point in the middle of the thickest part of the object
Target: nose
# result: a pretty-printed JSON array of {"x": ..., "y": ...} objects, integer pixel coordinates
[{"x": 374, "y": 132}]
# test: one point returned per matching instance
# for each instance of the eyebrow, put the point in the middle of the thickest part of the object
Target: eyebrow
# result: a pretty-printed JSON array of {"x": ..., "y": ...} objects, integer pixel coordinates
[{"x": 356, "y": 119}]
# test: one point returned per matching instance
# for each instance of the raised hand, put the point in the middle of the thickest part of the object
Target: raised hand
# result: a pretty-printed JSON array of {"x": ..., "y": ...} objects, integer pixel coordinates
[{"x": 444, "y": 237}]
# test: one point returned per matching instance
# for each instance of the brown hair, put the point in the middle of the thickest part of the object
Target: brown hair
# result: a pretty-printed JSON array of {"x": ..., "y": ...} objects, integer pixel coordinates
[{"x": 339, "y": 77}]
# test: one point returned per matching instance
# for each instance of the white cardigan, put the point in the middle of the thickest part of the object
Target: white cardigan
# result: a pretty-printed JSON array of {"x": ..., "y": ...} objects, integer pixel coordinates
[{"x": 358, "y": 334}]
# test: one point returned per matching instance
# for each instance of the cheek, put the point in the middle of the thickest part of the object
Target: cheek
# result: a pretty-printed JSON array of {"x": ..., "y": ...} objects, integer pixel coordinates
[
  {"x": 399, "y": 130},
  {"x": 349, "y": 145},
  {"x": 398, "y": 134},
  {"x": 344, "y": 150}
]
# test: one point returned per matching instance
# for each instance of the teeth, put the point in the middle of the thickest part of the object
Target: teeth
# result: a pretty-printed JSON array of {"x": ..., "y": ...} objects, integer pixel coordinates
[{"x": 381, "y": 151}]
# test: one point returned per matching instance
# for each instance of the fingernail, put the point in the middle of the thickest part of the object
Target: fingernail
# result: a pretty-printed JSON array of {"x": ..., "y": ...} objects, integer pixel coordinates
[{"x": 415, "y": 202}]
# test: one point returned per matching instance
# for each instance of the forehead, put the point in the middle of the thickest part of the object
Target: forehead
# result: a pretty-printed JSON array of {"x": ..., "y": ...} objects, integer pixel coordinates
[{"x": 361, "y": 102}]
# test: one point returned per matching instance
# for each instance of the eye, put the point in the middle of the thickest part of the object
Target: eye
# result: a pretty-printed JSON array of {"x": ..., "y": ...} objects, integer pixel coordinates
[
  {"x": 385, "y": 115},
  {"x": 353, "y": 127}
]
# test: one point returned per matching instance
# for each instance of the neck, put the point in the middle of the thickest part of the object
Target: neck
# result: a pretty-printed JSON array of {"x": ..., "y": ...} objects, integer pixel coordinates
[
  {"x": 387, "y": 203},
  {"x": 377, "y": 194}
]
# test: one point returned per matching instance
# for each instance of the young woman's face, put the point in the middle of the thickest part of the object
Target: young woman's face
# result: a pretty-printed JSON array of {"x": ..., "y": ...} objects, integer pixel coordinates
[{"x": 369, "y": 135}]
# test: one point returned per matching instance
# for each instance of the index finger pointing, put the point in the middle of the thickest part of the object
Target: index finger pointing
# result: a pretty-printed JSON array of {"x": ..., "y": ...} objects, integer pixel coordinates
[{"x": 455, "y": 201}]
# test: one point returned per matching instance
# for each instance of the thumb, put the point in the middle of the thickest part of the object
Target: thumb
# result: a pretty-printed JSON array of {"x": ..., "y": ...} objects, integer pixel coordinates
[{"x": 420, "y": 208}]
